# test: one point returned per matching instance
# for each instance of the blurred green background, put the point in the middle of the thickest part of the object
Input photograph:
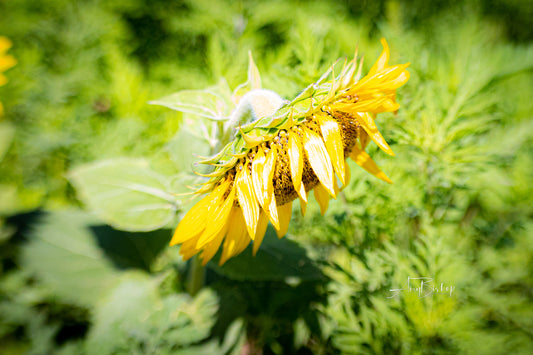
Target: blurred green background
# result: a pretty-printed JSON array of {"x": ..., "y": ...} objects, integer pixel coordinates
[{"x": 84, "y": 262}]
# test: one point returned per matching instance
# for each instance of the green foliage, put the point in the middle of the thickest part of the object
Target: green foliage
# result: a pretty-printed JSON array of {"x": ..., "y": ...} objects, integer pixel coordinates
[
  {"x": 78, "y": 131},
  {"x": 126, "y": 193}
]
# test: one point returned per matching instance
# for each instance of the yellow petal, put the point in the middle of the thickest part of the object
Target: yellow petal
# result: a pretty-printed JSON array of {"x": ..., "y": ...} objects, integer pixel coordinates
[
  {"x": 319, "y": 159},
  {"x": 322, "y": 197},
  {"x": 5, "y": 44},
  {"x": 212, "y": 247},
  {"x": 363, "y": 138},
  {"x": 193, "y": 223},
  {"x": 303, "y": 206},
  {"x": 7, "y": 62},
  {"x": 237, "y": 238},
  {"x": 188, "y": 249},
  {"x": 383, "y": 59},
  {"x": 348, "y": 174},
  {"x": 217, "y": 220},
  {"x": 270, "y": 207},
  {"x": 246, "y": 198},
  {"x": 257, "y": 177},
  {"x": 268, "y": 173},
  {"x": 370, "y": 128},
  {"x": 363, "y": 160},
  {"x": 3, "y": 79},
  {"x": 296, "y": 163},
  {"x": 333, "y": 139},
  {"x": 285, "y": 212},
  {"x": 261, "y": 230},
  {"x": 272, "y": 212}
]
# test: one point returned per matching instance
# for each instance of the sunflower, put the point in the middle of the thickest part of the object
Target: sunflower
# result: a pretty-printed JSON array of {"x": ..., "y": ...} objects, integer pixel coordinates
[
  {"x": 279, "y": 151},
  {"x": 6, "y": 62}
]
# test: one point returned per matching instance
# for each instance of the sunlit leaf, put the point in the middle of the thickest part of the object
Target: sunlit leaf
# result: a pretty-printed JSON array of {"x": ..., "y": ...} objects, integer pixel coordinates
[{"x": 125, "y": 193}]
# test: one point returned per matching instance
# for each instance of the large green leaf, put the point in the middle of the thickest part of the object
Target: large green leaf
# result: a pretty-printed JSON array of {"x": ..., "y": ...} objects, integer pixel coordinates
[
  {"x": 63, "y": 254},
  {"x": 125, "y": 193}
]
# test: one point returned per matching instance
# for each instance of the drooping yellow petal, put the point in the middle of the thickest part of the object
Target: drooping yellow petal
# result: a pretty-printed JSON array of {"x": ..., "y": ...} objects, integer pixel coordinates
[
  {"x": 383, "y": 59},
  {"x": 270, "y": 207},
  {"x": 363, "y": 160},
  {"x": 268, "y": 173},
  {"x": 257, "y": 176},
  {"x": 217, "y": 220},
  {"x": 303, "y": 206},
  {"x": 368, "y": 124},
  {"x": 296, "y": 163},
  {"x": 322, "y": 197},
  {"x": 246, "y": 198},
  {"x": 348, "y": 174},
  {"x": 237, "y": 238},
  {"x": 261, "y": 230},
  {"x": 364, "y": 139},
  {"x": 319, "y": 159},
  {"x": 212, "y": 247},
  {"x": 285, "y": 213},
  {"x": 272, "y": 212},
  {"x": 333, "y": 139},
  {"x": 188, "y": 249},
  {"x": 193, "y": 223}
]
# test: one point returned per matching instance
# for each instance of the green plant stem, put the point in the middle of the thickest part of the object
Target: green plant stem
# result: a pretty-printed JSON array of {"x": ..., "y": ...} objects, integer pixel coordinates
[{"x": 196, "y": 277}]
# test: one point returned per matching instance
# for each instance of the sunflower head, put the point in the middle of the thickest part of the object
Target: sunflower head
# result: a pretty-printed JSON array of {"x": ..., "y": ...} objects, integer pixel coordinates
[{"x": 272, "y": 151}]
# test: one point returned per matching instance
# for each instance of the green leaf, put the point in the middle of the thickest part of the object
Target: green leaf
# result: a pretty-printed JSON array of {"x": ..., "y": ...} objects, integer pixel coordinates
[
  {"x": 276, "y": 260},
  {"x": 131, "y": 249},
  {"x": 185, "y": 148},
  {"x": 7, "y": 132},
  {"x": 204, "y": 103},
  {"x": 63, "y": 254},
  {"x": 134, "y": 319},
  {"x": 125, "y": 193}
]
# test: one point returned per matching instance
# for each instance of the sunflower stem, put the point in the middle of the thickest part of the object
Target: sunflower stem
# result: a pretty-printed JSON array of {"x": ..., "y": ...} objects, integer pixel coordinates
[{"x": 196, "y": 276}]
